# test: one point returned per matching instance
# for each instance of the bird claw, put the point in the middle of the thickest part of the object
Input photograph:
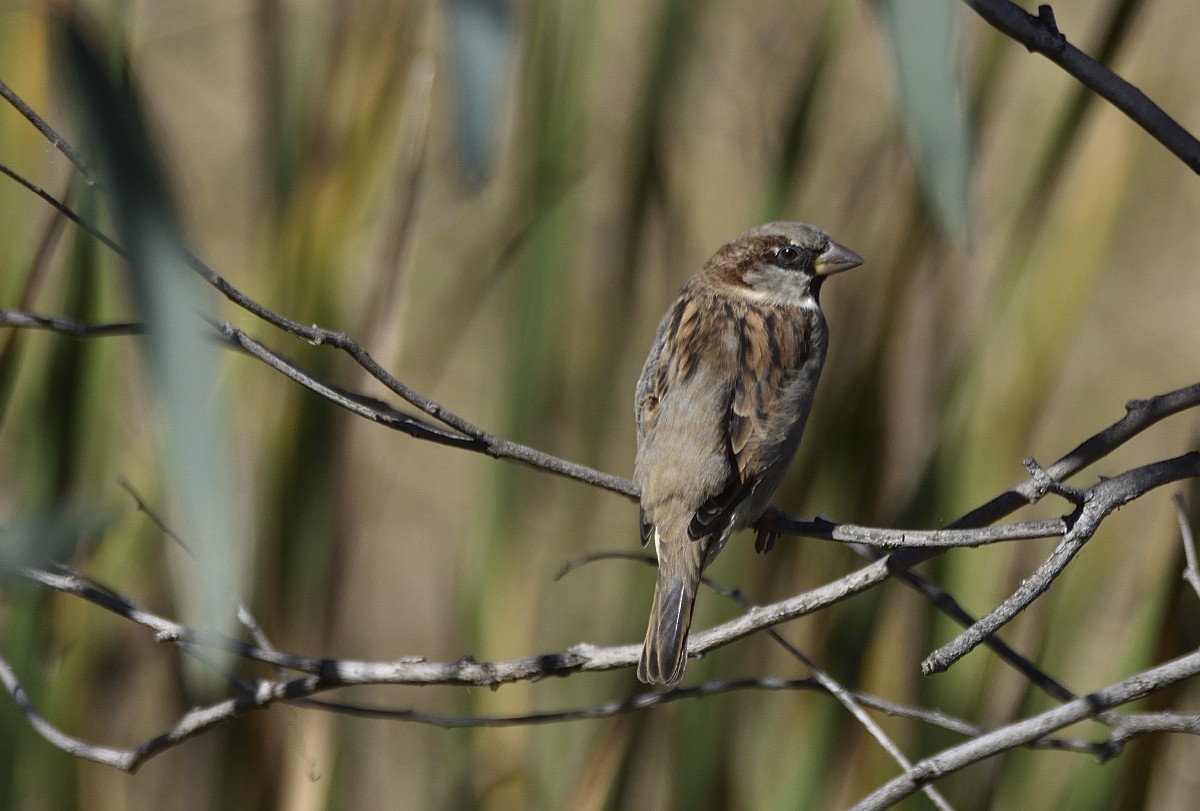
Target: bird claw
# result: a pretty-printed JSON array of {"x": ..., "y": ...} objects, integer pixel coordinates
[{"x": 766, "y": 534}]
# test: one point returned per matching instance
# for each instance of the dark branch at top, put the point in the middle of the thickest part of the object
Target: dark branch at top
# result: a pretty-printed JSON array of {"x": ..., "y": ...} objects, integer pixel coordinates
[{"x": 1040, "y": 34}]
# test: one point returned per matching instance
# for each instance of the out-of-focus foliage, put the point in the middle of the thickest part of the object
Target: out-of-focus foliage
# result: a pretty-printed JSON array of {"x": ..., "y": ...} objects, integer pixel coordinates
[
  {"x": 316, "y": 155},
  {"x": 922, "y": 34}
]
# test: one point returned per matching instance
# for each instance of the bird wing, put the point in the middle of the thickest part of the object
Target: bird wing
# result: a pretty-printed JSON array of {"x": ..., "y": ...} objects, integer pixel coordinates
[
  {"x": 684, "y": 390},
  {"x": 651, "y": 388},
  {"x": 729, "y": 372},
  {"x": 761, "y": 412}
]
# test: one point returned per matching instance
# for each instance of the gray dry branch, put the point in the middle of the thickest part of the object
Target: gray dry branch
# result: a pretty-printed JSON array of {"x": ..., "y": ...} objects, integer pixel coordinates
[
  {"x": 321, "y": 674},
  {"x": 1022, "y": 732}
]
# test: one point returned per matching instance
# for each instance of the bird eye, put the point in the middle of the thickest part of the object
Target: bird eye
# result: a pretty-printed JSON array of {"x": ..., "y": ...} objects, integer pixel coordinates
[{"x": 788, "y": 256}]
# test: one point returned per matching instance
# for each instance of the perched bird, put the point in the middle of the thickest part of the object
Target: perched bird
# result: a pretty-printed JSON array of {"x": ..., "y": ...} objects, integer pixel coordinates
[{"x": 721, "y": 405}]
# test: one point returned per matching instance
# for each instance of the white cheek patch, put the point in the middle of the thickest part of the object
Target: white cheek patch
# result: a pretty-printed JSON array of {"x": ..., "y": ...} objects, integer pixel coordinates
[{"x": 777, "y": 290}]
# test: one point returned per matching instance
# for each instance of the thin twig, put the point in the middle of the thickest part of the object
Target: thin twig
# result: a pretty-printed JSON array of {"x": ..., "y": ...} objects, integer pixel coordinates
[
  {"x": 1100, "y": 500},
  {"x": 66, "y": 326},
  {"x": 65, "y": 210},
  {"x": 644, "y": 701},
  {"x": 1040, "y": 34},
  {"x": 1109, "y": 494},
  {"x": 1191, "y": 571},
  {"x": 484, "y": 441},
  {"x": 931, "y": 717},
  {"x": 243, "y": 613},
  {"x": 327, "y": 674},
  {"x": 373, "y": 410},
  {"x": 121, "y": 759},
  {"x": 845, "y": 697},
  {"x": 826, "y": 529},
  {"x": 1030, "y": 729},
  {"x": 1139, "y": 415},
  {"x": 49, "y": 133},
  {"x": 1146, "y": 723}
]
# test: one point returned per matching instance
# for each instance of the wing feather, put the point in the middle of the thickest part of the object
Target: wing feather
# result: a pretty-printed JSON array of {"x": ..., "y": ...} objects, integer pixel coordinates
[
  {"x": 751, "y": 356},
  {"x": 771, "y": 350}
]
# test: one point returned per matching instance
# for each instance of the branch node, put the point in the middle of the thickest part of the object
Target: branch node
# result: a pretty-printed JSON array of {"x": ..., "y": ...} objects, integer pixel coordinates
[
  {"x": 1044, "y": 483},
  {"x": 1109, "y": 749},
  {"x": 1045, "y": 20}
]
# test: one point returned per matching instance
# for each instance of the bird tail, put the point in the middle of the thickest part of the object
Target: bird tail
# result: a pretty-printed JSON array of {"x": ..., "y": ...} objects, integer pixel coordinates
[{"x": 664, "y": 652}]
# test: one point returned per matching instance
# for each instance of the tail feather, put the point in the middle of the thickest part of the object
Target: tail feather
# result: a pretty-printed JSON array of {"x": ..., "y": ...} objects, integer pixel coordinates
[{"x": 664, "y": 652}]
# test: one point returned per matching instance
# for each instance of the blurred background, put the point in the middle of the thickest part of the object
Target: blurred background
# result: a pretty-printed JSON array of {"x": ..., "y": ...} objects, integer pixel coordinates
[{"x": 499, "y": 200}]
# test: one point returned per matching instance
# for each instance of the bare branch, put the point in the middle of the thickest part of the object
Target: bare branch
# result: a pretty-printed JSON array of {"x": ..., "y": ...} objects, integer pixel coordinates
[
  {"x": 48, "y": 133},
  {"x": 1103, "y": 498},
  {"x": 582, "y": 657},
  {"x": 1040, "y": 34},
  {"x": 487, "y": 443},
  {"x": 1136, "y": 724},
  {"x": 1139, "y": 415},
  {"x": 66, "y": 326},
  {"x": 654, "y": 699},
  {"x": 370, "y": 408},
  {"x": 243, "y": 613},
  {"x": 199, "y": 720},
  {"x": 483, "y": 441},
  {"x": 1191, "y": 572},
  {"x": 121, "y": 759},
  {"x": 879, "y": 538},
  {"x": 1030, "y": 729},
  {"x": 65, "y": 210},
  {"x": 324, "y": 674},
  {"x": 606, "y": 710},
  {"x": 844, "y": 696},
  {"x": 1100, "y": 500}
]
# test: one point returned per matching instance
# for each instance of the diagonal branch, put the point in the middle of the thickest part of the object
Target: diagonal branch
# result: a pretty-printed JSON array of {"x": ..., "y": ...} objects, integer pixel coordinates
[
  {"x": 481, "y": 440},
  {"x": 1100, "y": 500},
  {"x": 1040, "y": 34},
  {"x": 1030, "y": 729},
  {"x": 1139, "y": 416},
  {"x": 49, "y": 133},
  {"x": 1191, "y": 570}
]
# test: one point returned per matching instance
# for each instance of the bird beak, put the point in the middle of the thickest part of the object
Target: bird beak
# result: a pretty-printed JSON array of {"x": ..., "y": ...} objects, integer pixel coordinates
[{"x": 835, "y": 259}]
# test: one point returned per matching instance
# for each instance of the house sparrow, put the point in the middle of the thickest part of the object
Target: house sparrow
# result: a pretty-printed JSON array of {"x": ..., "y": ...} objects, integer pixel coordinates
[{"x": 721, "y": 405}]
